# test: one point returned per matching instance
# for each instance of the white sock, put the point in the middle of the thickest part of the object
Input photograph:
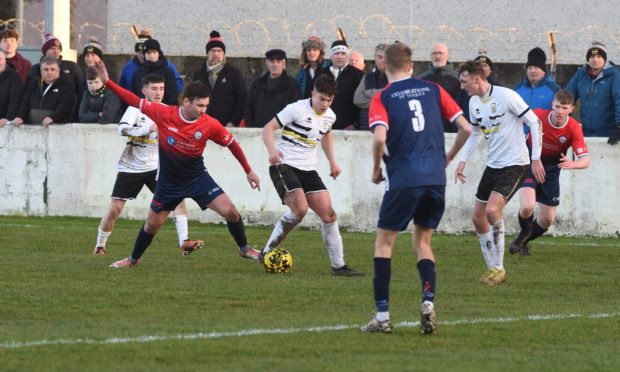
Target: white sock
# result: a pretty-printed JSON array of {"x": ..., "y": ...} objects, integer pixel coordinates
[
  {"x": 333, "y": 242},
  {"x": 486, "y": 245},
  {"x": 497, "y": 230},
  {"x": 180, "y": 221},
  {"x": 382, "y": 316},
  {"x": 102, "y": 237},
  {"x": 284, "y": 225}
]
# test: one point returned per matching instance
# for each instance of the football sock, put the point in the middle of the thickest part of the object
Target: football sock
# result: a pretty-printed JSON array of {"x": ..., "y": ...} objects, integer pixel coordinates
[
  {"x": 180, "y": 221},
  {"x": 486, "y": 245},
  {"x": 142, "y": 243},
  {"x": 382, "y": 316},
  {"x": 497, "y": 230},
  {"x": 333, "y": 242},
  {"x": 381, "y": 283},
  {"x": 102, "y": 237},
  {"x": 537, "y": 231},
  {"x": 285, "y": 224},
  {"x": 426, "y": 268},
  {"x": 237, "y": 230},
  {"x": 526, "y": 223}
]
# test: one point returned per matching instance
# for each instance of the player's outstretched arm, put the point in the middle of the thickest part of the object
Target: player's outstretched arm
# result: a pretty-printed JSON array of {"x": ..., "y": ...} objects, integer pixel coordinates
[
  {"x": 237, "y": 152},
  {"x": 327, "y": 144},
  {"x": 464, "y": 130}
]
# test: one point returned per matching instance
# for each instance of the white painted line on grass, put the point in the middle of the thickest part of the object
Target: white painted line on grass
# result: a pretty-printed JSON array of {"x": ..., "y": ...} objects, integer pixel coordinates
[{"x": 276, "y": 331}]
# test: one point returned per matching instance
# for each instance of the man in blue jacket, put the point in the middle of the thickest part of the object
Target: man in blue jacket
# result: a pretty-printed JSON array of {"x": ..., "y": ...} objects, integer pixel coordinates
[
  {"x": 538, "y": 88},
  {"x": 597, "y": 86}
]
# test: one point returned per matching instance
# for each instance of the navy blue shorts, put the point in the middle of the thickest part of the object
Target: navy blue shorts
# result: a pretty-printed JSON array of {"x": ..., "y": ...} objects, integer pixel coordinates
[
  {"x": 548, "y": 192},
  {"x": 423, "y": 204},
  {"x": 204, "y": 190}
]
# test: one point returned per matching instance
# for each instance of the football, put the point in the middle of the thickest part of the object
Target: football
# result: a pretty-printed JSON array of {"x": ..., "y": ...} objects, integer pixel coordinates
[{"x": 278, "y": 261}]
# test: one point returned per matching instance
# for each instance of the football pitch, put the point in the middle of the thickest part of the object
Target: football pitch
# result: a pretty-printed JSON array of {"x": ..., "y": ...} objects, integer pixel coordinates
[{"x": 63, "y": 309}]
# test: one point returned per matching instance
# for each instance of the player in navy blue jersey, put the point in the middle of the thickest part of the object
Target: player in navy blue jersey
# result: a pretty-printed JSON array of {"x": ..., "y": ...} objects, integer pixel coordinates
[
  {"x": 406, "y": 120},
  {"x": 183, "y": 135}
]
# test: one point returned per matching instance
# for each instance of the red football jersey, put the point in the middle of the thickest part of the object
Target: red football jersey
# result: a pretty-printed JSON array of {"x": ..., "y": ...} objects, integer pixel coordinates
[{"x": 557, "y": 140}]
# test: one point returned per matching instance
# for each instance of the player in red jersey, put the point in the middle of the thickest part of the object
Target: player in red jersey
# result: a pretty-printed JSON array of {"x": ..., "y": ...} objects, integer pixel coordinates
[
  {"x": 560, "y": 132},
  {"x": 183, "y": 134}
]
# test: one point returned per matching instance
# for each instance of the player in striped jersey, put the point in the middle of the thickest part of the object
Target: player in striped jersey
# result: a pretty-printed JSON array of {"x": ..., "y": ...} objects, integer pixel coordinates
[
  {"x": 561, "y": 133},
  {"x": 406, "y": 118},
  {"x": 305, "y": 124},
  {"x": 497, "y": 114}
]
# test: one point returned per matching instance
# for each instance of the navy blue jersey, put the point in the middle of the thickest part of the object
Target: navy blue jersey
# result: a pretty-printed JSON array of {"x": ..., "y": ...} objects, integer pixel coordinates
[{"x": 412, "y": 111}]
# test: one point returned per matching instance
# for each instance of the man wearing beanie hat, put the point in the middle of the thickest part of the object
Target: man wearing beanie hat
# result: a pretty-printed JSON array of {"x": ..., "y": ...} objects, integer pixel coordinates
[
  {"x": 228, "y": 91},
  {"x": 52, "y": 47},
  {"x": 155, "y": 62},
  {"x": 348, "y": 79},
  {"x": 137, "y": 61},
  {"x": 270, "y": 92},
  {"x": 538, "y": 88},
  {"x": 597, "y": 85}
]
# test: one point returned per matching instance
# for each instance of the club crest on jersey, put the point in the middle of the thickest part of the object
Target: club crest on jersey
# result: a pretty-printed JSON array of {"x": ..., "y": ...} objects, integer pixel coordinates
[
  {"x": 562, "y": 139},
  {"x": 198, "y": 135},
  {"x": 171, "y": 141},
  {"x": 493, "y": 107}
]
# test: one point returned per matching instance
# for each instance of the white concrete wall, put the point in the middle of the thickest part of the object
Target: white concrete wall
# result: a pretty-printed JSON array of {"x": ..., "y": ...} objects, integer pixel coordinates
[
  {"x": 70, "y": 170},
  {"x": 509, "y": 29}
]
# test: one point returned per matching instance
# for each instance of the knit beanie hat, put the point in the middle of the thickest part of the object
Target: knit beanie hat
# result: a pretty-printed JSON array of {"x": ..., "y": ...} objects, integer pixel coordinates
[
  {"x": 339, "y": 46},
  {"x": 536, "y": 57},
  {"x": 597, "y": 48},
  {"x": 483, "y": 58},
  {"x": 151, "y": 44},
  {"x": 93, "y": 46},
  {"x": 50, "y": 41},
  {"x": 215, "y": 41},
  {"x": 313, "y": 42},
  {"x": 142, "y": 37}
]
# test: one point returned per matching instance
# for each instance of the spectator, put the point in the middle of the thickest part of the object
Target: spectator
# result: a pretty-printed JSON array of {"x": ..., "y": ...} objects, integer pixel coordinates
[
  {"x": 370, "y": 84},
  {"x": 8, "y": 44},
  {"x": 270, "y": 92},
  {"x": 442, "y": 73},
  {"x": 228, "y": 91},
  {"x": 137, "y": 61},
  {"x": 98, "y": 105},
  {"x": 11, "y": 91},
  {"x": 356, "y": 59},
  {"x": 311, "y": 60},
  {"x": 348, "y": 79},
  {"x": 50, "y": 100},
  {"x": 597, "y": 86},
  {"x": 538, "y": 88},
  {"x": 155, "y": 62}
]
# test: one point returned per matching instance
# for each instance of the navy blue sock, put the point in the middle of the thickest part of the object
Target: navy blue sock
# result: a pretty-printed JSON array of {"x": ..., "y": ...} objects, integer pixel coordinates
[
  {"x": 143, "y": 240},
  {"x": 426, "y": 268},
  {"x": 526, "y": 223},
  {"x": 381, "y": 282},
  {"x": 237, "y": 230},
  {"x": 536, "y": 231}
]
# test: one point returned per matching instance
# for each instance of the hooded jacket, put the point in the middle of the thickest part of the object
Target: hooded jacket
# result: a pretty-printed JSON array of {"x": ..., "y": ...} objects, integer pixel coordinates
[
  {"x": 11, "y": 92},
  {"x": 58, "y": 98},
  {"x": 539, "y": 96},
  {"x": 160, "y": 67}
]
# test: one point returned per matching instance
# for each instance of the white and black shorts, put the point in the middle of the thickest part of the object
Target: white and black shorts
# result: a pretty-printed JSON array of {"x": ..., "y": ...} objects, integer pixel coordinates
[
  {"x": 128, "y": 185},
  {"x": 286, "y": 179},
  {"x": 504, "y": 181}
]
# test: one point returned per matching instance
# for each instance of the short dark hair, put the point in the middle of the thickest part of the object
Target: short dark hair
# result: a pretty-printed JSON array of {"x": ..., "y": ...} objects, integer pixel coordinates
[
  {"x": 397, "y": 57},
  {"x": 91, "y": 73},
  {"x": 9, "y": 33},
  {"x": 196, "y": 90},
  {"x": 326, "y": 84},
  {"x": 152, "y": 79},
  {"x": 473, "y": 68},
  {"x": 565, "y": 97},
  {"x": 50, "y": 61}
]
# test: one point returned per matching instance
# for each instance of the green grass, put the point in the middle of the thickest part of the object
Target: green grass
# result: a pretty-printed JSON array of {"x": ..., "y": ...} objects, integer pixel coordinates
[{"x": 52, "y": 288}]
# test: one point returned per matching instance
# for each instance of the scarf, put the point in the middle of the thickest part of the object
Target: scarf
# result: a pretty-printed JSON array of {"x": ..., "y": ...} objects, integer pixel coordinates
[{"x": 213, "y": 72}]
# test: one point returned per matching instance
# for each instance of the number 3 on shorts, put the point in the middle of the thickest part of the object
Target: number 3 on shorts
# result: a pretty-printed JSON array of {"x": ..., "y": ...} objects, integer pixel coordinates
[{"x": 418, "y": 116}]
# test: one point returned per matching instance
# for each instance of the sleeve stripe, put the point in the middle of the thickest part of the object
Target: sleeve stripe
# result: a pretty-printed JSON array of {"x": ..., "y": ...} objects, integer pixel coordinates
[
  {"x": 524, "y": 112},
  {"x": 455, "y": 116},
  {"x": 379, "y": 123},
  {"x": 279, "y": 122}
]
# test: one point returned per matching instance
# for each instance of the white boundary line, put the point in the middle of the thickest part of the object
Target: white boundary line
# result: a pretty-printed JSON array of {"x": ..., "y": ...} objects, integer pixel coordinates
[{"x": 254, "y": 332}]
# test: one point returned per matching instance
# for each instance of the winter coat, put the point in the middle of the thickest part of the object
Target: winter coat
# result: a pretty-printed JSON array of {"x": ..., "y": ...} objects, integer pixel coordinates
[
  {"x": 171, "y": 94},
  {"x": 57, "y": 101},
  {"x": 347, "y": 113},
  {"x": 265, "y": 101},
  {"x": 540, "y": 96},
  {"x": 107, "y": 103},
  {"x": 228, "y": 96},
  {"x": 11, "y": 92}
]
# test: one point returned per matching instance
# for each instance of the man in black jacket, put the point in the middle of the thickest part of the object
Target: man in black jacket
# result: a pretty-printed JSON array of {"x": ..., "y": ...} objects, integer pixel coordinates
[
  {"x": 48, "y": 100},
  {"x": 270, "y": 92},
  {"x": 155, "y": 63},
  {"x": 11, "y": 91},
  {"x": 348, "y": 79},
  {"x": 228, "y": 91}
]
